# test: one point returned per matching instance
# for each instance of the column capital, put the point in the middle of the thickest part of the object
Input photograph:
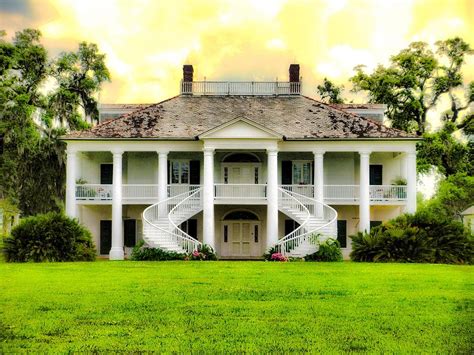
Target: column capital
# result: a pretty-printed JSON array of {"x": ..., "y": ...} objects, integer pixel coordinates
[
  {"x": 117, "y": 151},
  {"x": 208, "y": 151},
  {"x": 319, "y": 152},
  {"x": 162, "y": 152},
  {"x": 272, "y": 151},
  {"x": 365, "y": 152},
  {"x": 411, "y": 154},
  {"x": 71, "y": 151}
]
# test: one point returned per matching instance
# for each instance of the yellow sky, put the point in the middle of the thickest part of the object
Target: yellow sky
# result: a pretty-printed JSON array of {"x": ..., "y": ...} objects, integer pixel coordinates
[{"x": 147, "y": 41}]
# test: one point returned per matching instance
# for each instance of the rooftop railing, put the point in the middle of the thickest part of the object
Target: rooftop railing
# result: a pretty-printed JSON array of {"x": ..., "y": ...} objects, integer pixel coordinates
[{"x": 251, "y": 88}]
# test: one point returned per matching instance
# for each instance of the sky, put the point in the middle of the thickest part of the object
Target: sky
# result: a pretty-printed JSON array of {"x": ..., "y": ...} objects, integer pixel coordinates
[{"x": 147, "y": 41}]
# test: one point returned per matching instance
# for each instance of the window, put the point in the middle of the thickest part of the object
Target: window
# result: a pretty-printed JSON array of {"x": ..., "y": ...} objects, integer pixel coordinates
[
  {"x": 179, "y": 172},
  {"x": 302, "y": 173},
  {"x": 342, "y": 233},
  {"x": 226, "y": 175},
  {"x": 256, "y": 175},
  {"x": 374, "y": 224},
  {"x": 255, "y": 233},
  {"x": 375, "y": 174},
  {"x": 106, "y": 173},
  {"x": 226, "y": 233},
  {"x": 240, "y": 215}
]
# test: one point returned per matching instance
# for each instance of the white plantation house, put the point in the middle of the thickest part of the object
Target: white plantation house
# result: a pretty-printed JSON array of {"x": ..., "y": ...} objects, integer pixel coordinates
[{"x": 241, "y": 166}]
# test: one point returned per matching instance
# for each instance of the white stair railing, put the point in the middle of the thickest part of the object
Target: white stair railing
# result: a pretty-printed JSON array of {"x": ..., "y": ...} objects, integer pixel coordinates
[
  {"x": 317, "y": 221},
  {"x": 162, "y": 220}
]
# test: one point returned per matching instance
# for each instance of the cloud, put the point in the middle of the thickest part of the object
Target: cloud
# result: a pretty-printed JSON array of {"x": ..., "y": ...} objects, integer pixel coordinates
[{"x": 146, "y": 44}]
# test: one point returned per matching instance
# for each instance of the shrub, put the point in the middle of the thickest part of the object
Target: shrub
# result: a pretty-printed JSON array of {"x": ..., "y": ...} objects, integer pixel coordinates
[
  {"x": 142, "y": 252},
  {"x": 278, "y": 257},
  {"x": 268, "y": 255},
  {"x": 49, "y": 237},
  {"x": 204, "y": 252},
  {"x": 421, "y": 237},
  {"x": 329, "y": 250}
]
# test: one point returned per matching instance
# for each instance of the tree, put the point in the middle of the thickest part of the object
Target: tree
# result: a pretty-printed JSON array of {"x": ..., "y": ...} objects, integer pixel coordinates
[
  {"x": 32, "y": 170},
  {"x": 330, "y": 92},
  {"x": 416, "y": 79},
  {"x": 443, "y": 151},
  {"x": 404, "y": 86}
]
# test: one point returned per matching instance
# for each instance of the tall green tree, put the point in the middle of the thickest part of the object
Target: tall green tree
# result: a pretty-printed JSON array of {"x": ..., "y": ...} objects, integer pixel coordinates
[
  {"x": 32, "y": 169},
  {"x": 330, "y": 92}
]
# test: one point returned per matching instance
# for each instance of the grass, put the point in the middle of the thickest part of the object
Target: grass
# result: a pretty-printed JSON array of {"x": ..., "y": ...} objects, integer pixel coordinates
[{"x": 236, "y": 307}]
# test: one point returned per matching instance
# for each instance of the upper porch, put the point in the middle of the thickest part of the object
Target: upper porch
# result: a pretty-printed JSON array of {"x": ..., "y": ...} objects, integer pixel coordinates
[{"x": 241, "y": 176}]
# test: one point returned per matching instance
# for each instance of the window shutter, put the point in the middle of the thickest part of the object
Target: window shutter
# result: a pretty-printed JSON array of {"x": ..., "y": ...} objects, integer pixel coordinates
[
  {"x": 286, "y": 167},
  {"x": 312, "y": 173},
  {"x": 106, "y": 173},
  {"x": 376, "y": 175},
  {"x": 342, "y": 233},
  {"x": 169, "y": 172},
  {"x": 195, "y": 172},
  {"x": 130, "y": 232}
]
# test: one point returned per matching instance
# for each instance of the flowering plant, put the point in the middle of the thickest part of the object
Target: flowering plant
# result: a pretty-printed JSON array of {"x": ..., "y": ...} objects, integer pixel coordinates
[
  {"x": 278, "y": 257},
  {"x": 204, "y": 252}
]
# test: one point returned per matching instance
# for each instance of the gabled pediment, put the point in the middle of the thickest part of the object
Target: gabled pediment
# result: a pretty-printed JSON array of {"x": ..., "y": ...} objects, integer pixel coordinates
[{"x": 241, "y": 127}]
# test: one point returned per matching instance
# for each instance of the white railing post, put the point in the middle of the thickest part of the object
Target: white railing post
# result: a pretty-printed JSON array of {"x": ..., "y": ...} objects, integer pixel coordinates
[
  {"x": 364, "y": 195},
  {"x": 117, "y": 253},
  {"x": 272, "y": 197},
  {"x": 208, "y": 198},
  {"x": 71, "y": 169}
]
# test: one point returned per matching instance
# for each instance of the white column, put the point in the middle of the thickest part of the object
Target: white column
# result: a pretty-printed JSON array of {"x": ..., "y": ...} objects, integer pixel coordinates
[
  {"x": 208, "y": 198},
  {"x": 411, "y": 182},
  {"x": 162, "y": 176},
  {"x": 319, "y": 180},
  {"x": 272, "y": 197},
  {"x": 71, "y": 168},
  {"x": 403, "y": 166},
  {"x": 364, "y": 194},
  {"x": 116, "y": 253}
]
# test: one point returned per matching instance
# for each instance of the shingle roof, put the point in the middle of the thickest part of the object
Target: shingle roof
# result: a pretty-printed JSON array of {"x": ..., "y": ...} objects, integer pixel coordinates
[{"x": 186, "y": 117}]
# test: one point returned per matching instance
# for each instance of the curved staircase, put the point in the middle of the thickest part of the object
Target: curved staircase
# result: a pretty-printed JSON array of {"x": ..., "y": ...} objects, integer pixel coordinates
[
  {"x": 162, "y": 221},
  {"x": 317, "y": 222}
]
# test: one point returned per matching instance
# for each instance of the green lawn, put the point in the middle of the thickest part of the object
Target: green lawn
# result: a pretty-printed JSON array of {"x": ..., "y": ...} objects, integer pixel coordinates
[{"x": 236, "y": 307}]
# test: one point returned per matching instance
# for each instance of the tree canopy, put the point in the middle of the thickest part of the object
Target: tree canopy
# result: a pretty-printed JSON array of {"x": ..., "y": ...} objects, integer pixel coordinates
[
  {"x": 330, "y": 92},
  {"x": 40, "y": 99}
]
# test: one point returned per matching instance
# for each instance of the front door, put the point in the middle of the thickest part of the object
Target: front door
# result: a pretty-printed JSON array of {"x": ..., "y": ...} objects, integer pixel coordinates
[
  {"x": 241, "y": 239},
  {"x": 241, "y": 173}
]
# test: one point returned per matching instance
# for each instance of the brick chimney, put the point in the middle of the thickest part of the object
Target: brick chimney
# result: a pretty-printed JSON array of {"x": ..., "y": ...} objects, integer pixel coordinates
[
  {"x": 188, "y": 73},
  {"x": 294, "y": 73}
]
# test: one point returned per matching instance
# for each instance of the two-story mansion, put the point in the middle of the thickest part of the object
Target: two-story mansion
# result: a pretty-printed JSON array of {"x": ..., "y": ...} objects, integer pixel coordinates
[{"x": 240, "y": 166}]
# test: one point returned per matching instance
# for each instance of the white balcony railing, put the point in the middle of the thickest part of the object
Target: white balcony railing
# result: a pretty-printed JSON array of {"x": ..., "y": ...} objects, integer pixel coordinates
[
  {"x": 388, "y": 192},
  {"x": 341, "y": 192},
  {"x": 240, "y": 191},
  {"x": 240, "y": 88},
  {"x": 178, "y": 189},
  {"x": 139, "y": 192},
  {"x": 96, "y": 192},
  {"x": 147, "y": 192},
  {"x": 305, "y": 190}
]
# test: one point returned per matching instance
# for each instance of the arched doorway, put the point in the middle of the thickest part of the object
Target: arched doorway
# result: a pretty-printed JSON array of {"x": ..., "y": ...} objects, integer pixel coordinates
[
  {"x": 241, "y": 234},
  {"x": 241, "y": 168}
]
